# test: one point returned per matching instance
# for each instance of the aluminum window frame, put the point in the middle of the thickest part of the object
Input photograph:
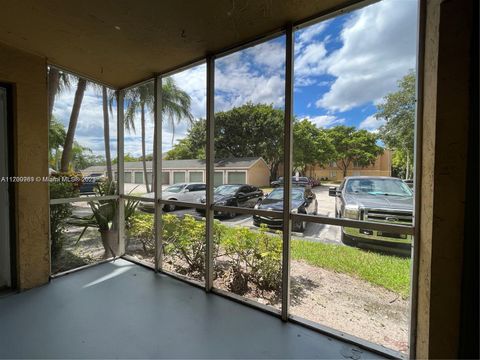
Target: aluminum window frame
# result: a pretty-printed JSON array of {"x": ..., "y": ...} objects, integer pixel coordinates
[
  {"x": 87, "y": 198},
  {"x": 209, "y": 207},
  {"x": 287, "y": 215}
]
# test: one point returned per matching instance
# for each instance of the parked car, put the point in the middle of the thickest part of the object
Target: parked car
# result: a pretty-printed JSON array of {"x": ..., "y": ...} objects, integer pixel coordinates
[
  {"x": 240, "y": 195},
  {"x": 304, "y": 201},
  {"x": 187, "y": 192},
  {"x": 300, "y": 181},
  {"x": 409, "y": 182},
  {"x": 374, "y": 199},
  {"x": 89, "y": 182}
]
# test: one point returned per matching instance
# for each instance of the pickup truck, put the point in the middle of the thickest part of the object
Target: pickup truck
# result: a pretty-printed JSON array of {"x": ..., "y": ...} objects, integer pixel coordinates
[{"x": 374, "y": 199}]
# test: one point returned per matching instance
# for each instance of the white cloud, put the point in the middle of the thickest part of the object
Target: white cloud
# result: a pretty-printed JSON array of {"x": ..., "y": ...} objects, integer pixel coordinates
[
  {"x": 371, "y": 123},
  {"x": 325, "y": 121},
  {"x": 270, "y": 55},
  {"x": 194, "y": 82},
  {"x": 310, "y": 62},
  {"x": 308, "y": 33},
  {"x": 238, "y": 81},
  {"x": 378, "y": 49}
]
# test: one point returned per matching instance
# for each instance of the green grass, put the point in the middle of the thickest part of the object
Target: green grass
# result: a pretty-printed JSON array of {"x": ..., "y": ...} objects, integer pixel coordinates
[{"x": 390, "y": 272}]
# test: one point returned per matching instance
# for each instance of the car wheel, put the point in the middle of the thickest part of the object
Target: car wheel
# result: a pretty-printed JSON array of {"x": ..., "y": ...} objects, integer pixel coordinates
[
  {"x": 348, "y": 240},
  {"x": 169, "y": 208},
  {"x": 299, "y": 227}
]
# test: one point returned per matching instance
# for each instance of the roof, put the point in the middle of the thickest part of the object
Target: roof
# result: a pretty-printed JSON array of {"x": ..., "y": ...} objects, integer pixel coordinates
[
  {"x": 123, "y": 42},
  {"x": 231, "y": 163}
]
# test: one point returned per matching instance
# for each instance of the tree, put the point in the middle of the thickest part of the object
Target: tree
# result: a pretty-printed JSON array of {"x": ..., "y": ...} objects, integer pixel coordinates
[
  {"x": 175, "y": 108},
  {"x": 56, "y": 139},
  {"x": 246, "y": 131},
  {"x": 72, "y": 125},
  {"x": 311, "y": 145},
  {"x": 139, "y": 98},
  {"x": 58, "y": 81},
  {"x": 351, "y": 145},
  {"x": 398, "y": 111},
  {"x": 107, "y": 100}
]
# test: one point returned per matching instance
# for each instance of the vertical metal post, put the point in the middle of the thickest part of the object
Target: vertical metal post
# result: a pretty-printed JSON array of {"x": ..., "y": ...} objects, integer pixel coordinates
[
  {"x": 210, "y": 152},
  {"x": 287, "y": 171},
  {"x": 422, "y": 6},
  {"x": 157, "y": 156},
  {"x": 120, "y": 173}
]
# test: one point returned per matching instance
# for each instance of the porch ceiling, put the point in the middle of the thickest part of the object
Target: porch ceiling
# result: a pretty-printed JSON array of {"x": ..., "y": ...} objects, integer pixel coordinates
[{"x": 120, "y": 42}]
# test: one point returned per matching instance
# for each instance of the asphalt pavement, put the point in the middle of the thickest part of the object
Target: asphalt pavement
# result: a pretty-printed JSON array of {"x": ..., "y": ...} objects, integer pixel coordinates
[{"x": 313, "y": 232}]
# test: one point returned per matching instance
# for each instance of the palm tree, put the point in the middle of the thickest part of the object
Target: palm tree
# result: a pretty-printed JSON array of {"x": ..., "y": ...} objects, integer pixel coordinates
[
  {"x": 175, "y": 106},
  {"x": 72, "y": 125},
  {"x": 58, "y": 81},
  {"x": 106, "y": 131}
]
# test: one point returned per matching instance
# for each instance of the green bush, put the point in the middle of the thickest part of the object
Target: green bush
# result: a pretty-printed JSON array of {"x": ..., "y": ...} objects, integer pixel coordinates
[
  {"x": 253, "y": 257},
  {"x": 141, "y": 227},
  {"x": 60, "y": 212}
]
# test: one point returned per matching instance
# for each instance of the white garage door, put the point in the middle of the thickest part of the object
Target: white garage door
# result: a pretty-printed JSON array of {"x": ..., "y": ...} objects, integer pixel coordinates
[
  {"x": 237, "y": 177},
  {"x": 195, "y": 176},
  {"x": 178, "y": 177}
]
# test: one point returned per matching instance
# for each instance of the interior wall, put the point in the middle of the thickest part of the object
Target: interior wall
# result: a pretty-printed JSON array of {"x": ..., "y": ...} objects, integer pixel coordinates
[
  {"x": 446, "y": 116},
  {"x": 27, "y": 74}
]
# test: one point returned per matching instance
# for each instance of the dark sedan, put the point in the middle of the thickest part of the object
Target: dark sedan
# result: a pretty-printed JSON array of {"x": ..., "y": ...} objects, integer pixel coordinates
[
  {"x": 90, "y": 182},
  {"x": 240, "y": 195},
  {"x": 296, "y": 181},
  {"x": 304, "y": 201}
]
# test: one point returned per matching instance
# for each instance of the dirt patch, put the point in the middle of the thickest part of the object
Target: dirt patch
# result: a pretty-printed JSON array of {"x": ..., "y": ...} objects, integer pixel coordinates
[{"x": 350, "y": 305}]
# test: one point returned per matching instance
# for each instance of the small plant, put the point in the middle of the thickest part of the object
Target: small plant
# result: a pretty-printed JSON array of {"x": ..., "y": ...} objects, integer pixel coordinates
[
  {"x": 59, "y": 213},
  {"x": 105, "y": 217}
]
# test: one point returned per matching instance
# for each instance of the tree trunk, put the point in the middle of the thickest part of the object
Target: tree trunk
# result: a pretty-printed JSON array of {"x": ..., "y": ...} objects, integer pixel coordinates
[
  {"x": 53, "y": 82},
  {"x": 106, "y": 133},
  {"x": 144, "y": 161},
  {"x": 72, "y": 125}
]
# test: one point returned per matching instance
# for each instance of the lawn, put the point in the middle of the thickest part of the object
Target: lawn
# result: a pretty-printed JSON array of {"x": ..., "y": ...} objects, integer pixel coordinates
[{"x": 390, "y": 272}]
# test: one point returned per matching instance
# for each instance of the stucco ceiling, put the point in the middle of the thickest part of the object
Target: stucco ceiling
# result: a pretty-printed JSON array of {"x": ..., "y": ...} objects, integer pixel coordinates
[{"x": 120, "y": 42}]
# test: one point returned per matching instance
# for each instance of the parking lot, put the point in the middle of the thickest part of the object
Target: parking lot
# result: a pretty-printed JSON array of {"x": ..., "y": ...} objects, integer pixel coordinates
[{"x": 313, "y": 232}]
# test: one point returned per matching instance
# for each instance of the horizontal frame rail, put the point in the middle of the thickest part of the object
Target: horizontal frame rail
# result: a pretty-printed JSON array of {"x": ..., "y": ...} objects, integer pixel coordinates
[
  {"x": 85, "y": 199},
  {"x": 183, "y": 204},
  {"x": 358, "y": 224},
  {"x": 139, "y": 198}
]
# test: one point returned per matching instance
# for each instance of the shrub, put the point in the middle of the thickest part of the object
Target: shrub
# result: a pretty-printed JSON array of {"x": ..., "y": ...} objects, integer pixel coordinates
[
  {"x": 60, "y": 212},
  {"x": 255, "y": 256},
  {"x": 141, "y": 227}
]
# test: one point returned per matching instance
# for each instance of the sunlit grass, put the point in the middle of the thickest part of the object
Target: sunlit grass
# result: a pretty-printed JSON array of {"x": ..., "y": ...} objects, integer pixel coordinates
[{"x": 390, "y": 272}]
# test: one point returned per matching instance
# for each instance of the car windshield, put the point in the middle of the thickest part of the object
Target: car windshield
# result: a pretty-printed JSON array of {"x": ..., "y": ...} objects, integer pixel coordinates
[
  {"x": 277, "y": 194},
  {"x": 175, "y": 188},
  {"x": 390, "y": 187},
  {"x": 226, "y": 189}
]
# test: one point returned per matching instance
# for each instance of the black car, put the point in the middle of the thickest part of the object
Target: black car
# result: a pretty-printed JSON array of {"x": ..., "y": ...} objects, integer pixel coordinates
[
  {"x": 240, "y": 195},
  {"x": 89, "y": 182},
  {"x": 296, "y": 181},
  {"x": 304, "y": 201}
]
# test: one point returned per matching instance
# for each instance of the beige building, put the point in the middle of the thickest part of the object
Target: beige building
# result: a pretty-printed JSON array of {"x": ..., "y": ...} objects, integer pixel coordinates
[
  {"x": 253, "y": 171},
  {"x": 381, "y": 167}
]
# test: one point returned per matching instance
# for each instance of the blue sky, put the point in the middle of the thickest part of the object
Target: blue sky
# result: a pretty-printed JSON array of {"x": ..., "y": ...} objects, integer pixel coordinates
[{"x": 344, "y": 66}]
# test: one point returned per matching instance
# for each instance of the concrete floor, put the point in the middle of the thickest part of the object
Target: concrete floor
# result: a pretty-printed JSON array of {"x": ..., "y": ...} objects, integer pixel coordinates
[{"x": 122, "y": 310}]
